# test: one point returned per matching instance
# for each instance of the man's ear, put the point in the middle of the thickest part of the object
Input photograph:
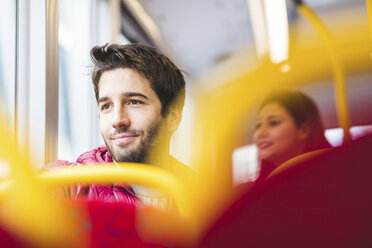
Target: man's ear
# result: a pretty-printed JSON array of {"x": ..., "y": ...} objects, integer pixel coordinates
[
  {"x": 173, "y": 119},
  {"x": 305, "y": 131}
]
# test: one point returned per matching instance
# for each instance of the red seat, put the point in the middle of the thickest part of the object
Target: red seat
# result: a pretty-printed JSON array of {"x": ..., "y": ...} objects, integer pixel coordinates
[{"x": 324, "y": 202}]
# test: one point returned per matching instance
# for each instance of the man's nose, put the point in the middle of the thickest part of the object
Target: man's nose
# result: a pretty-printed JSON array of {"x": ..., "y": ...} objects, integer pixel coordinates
[{"x": 121, "y": 118}]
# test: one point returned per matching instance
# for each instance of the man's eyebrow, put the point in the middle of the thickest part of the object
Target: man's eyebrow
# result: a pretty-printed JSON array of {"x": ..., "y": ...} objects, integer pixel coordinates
[
  {"x": 103, "y": 99},
  {"x": 130, "y": 94},
  {"x": 125, "y": 94}
]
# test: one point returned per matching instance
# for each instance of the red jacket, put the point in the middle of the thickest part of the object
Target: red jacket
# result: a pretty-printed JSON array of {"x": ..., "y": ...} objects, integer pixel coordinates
[
  {"x": 113, "y": 217},
  {"x": 110, "y": 193}
]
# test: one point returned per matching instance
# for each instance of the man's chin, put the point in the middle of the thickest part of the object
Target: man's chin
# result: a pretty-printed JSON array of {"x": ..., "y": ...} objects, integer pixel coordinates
[{"x": 131, "y": 155}]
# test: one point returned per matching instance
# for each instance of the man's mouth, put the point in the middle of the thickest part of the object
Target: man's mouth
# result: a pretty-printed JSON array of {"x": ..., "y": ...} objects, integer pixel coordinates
[{"x": 124, "y": 138}]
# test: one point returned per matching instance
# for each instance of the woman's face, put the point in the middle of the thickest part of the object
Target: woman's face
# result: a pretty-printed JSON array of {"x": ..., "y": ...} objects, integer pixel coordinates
[{"x": 276, "y": 136}]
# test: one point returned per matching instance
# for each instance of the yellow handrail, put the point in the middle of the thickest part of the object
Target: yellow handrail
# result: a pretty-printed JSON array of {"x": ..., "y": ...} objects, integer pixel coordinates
[
  {"x": 127, "y": 173},
  {"x": 369, "y": 11},
  {"x": 28, "y": 202},
  {"x": 338, "y": 72}
]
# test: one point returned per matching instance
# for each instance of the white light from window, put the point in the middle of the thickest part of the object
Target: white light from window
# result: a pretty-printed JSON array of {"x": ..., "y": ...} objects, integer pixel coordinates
[
  {"x": 277, "y": 28},
  {"x": 65, "y": 37},
  {"x": 245, "y": 164},
  {"x": 335, "y": 135},
  {"x": 257, "y": 15}
]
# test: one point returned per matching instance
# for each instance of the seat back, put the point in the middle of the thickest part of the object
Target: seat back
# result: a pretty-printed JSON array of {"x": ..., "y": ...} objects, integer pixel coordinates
[{"x": 323, "y": 202}]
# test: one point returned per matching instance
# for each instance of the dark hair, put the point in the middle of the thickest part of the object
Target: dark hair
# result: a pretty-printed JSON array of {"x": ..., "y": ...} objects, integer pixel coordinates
[
  {"x": 165, "y": 77},
  {"x": 303, "y": 110}
]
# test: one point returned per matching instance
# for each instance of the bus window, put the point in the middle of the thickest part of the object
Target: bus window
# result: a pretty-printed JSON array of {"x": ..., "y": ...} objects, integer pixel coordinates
[{"x": 7, "y": 58}]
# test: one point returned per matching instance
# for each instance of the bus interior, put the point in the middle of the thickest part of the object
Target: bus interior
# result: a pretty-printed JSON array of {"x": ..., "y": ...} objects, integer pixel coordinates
[{"x": 233, "y": 54}]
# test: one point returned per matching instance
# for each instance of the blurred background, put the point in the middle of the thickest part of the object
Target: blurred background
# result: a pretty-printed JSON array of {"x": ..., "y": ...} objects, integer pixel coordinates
[{"x": 45, "y": 85}]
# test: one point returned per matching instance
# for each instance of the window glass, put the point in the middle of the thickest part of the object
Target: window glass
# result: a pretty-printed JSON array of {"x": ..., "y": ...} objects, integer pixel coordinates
[
  {"x": 7, "y": 70},
  {"x": 7, "y": 58},
  {"x": 78, "y": 115}
]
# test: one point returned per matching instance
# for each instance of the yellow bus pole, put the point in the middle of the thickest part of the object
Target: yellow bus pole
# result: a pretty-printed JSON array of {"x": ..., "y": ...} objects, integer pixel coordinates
[{"x": 338, "y": 72}]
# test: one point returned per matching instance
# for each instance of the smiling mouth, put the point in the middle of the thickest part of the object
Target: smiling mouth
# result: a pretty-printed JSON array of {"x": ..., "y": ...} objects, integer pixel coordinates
[
  {"x": 264, "y": 145},
  {"x": 124, "y": 139}
]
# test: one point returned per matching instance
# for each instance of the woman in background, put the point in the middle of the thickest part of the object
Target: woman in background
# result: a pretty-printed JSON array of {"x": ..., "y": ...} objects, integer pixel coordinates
[{"x": 288, "y": 125}]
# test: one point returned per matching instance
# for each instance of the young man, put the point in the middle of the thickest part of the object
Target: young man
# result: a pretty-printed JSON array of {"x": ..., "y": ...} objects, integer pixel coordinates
[{"x": 140, "y": 95}]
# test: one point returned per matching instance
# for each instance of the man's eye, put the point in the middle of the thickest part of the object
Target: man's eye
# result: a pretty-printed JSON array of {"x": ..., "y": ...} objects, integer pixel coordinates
[
  {"x": 135, "y": 102},
  {"x": 258, "y": 125},
  {"x": 105, "y": 106}
]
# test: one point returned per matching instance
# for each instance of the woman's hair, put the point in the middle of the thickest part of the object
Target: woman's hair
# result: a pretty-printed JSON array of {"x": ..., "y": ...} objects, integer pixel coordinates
[{"x": 303, "y": 111}]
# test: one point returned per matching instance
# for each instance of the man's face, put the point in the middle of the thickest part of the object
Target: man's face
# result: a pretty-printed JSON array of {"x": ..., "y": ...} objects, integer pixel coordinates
[{"x": 130, "y": 114}]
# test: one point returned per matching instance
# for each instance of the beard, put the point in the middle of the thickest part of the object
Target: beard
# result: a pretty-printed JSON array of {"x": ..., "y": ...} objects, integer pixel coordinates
[{"x": 139, "y": 153}]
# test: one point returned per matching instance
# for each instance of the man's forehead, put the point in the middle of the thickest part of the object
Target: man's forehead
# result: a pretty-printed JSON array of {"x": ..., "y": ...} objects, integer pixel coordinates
[{"x": 124, "y": 81}]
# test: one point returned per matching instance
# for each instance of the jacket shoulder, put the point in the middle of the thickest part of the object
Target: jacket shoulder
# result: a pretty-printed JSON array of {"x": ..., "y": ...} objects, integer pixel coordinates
[
  {"x": 97, "y": 155},
  {"x": 57, "y": 164}
]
